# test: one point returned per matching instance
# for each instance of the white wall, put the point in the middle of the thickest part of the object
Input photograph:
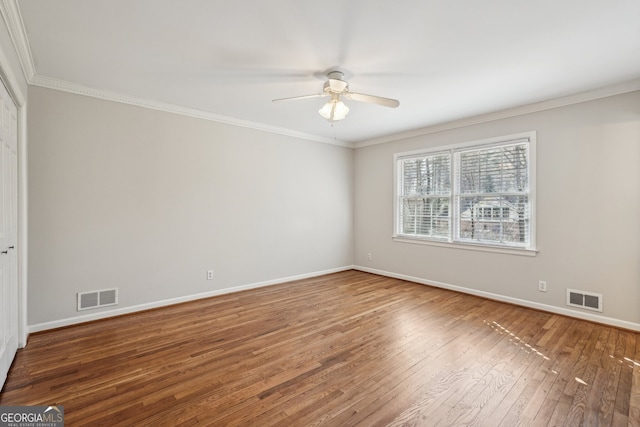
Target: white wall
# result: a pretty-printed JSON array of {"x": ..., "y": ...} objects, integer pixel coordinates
[
  {"x": 588, "y": 211},
  {"x": 147, "y": 201}
]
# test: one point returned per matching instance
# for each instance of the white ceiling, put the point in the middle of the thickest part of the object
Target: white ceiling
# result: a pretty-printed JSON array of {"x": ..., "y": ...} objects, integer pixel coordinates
[{"x": 444, "y": 60}]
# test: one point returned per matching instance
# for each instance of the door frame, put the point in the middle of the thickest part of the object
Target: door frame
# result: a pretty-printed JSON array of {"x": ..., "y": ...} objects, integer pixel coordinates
[{"x": 20, "y": 99}]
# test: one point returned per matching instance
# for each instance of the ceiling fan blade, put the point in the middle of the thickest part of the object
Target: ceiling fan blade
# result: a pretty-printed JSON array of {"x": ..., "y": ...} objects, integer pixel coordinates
[
  {"x": 385, "y": 102},
  {"x": 294, "y": 98}
]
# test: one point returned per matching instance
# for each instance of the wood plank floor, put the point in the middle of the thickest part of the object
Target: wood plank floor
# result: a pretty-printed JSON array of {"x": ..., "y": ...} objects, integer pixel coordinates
[{"x": 346, "y": 349}]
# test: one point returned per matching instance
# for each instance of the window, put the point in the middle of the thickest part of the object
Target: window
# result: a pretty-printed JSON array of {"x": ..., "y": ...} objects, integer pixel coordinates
[
  {"x": 426, "y": 184},
  {"x": 478, "y": 193}
]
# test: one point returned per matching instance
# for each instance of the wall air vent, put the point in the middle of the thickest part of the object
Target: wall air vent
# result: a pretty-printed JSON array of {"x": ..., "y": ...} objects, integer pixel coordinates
[
  {"x": 97, "y": 299},
  {"x": 583, "y": 299}
]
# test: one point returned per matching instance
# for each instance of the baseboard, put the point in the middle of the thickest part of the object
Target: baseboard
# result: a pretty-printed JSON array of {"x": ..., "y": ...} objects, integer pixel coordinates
[
  {"x": 516, "y": 301},
  {"x": 156, "y": 304}
]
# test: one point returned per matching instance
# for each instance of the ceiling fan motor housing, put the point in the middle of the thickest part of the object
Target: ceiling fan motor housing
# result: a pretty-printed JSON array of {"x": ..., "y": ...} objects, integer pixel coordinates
[{"x": 335, "y": 84}]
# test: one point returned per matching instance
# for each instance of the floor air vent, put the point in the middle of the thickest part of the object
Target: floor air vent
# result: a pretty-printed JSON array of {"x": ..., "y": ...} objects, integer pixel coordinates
[
  {"x": 583, "y": 299},
  {"x": 96, "y": 299}
]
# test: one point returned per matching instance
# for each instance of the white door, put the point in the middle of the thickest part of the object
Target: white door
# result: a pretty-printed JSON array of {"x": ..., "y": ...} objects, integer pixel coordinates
[{"x": 8, "y": 232}]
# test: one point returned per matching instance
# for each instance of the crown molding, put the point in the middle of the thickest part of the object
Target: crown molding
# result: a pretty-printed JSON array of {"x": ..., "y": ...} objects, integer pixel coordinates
[
  {"x": 9, "y": 78},
  {"x": 65, "y": 86},
  {"x": 603, "y": 92},
  {"x": 13, "y": 19}
]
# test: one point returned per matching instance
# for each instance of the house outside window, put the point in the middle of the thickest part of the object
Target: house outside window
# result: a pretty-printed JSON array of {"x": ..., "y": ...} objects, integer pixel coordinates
[{"x": 478, "y": 194}]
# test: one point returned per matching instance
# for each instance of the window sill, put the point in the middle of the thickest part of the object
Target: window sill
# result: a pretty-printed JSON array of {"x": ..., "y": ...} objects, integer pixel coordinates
[{"x": 467, "y": 246}]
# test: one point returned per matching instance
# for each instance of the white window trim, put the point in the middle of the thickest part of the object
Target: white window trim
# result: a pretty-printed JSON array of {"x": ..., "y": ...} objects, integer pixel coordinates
[{"x": 531, "y": 250}]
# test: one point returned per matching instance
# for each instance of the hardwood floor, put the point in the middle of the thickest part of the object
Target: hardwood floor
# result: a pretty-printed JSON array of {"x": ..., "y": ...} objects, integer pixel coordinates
[{"x": 346, "y": 349}]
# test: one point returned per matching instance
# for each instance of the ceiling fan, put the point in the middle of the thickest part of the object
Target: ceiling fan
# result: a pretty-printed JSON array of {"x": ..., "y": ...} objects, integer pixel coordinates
[{"x": 335, "y": 88}]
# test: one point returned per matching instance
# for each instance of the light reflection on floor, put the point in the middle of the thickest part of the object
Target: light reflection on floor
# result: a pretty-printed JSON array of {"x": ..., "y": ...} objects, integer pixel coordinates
[
  {"x": 525, "y": 345},
  {"x": 515, "y": 339},
  {"x": 529, "y": 348}
]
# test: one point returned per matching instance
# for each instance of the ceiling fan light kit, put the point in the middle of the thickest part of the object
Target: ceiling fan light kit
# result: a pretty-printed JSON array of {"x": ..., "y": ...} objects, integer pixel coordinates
[
  {"x": 335, "y": 87},
  {"x": 334, "y": 110}
]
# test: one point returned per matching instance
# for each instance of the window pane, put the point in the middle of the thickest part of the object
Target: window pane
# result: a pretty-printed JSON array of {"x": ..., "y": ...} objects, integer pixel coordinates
[
  {"x": 514, "y": 169},
  {"x": 427, "y": 175},
  {"x": 493, "y": 170},
  {"x": 494, "y": 219},
  {"x": 478, "y": 170},
  {"x": 427, "y": 216}
]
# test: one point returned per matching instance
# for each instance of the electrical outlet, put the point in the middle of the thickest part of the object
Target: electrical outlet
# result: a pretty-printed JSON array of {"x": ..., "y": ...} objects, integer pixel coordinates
[
  {"x": 542, "y": 286},
  {"x": 368, "y": 257},
  {"x": 209, "y": 274}
]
